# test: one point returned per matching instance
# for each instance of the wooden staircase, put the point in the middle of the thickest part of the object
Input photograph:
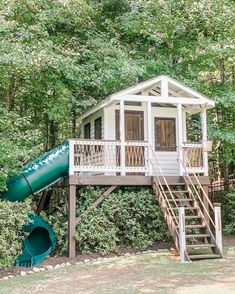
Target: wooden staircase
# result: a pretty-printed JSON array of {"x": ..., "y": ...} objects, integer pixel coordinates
[{"x": 195, "y": 232}]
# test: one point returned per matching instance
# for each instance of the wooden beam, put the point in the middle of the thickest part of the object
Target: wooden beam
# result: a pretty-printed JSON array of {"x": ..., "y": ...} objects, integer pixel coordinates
[
  {"x": 162, "y": 99},
  {"x": 72, "y": 221},
  {"x": 204, "y": 180},
  {"x": 187, "y": 89},
  {"x": 139, "y": 87},
  {"x": 164, "y": 87},
  {"x": 95, "y": 204},
  {"x": 45, "y": 198},
  {"x": 130, "y": 180},
  {"x": 110, "y": 180}
]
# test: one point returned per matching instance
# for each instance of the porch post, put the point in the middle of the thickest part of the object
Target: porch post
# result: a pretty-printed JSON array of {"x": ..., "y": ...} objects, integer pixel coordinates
[
  {"x": 182, "y": 235},
  {"x": 204, "y": 139},
  {"x": 122, "y": 138},
  {"x": 218, "y": 227},
  {"x": 180, "y": 138},
  {"x": 149, "y": 131},
  {"x": 71, "y": 157}
]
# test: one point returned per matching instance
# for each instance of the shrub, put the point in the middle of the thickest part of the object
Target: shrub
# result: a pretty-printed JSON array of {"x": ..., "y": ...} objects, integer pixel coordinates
[
  {"x": 129, "y": 217},
  {"x": 58, "y": 219},
  {"x": 13, "y": 216}
]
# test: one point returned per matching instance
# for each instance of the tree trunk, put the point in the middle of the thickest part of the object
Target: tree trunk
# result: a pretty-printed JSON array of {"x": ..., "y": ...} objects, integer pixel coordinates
[
  {"x": 74, "y": 122},
  {"x": 222, "y": 71},
  {"x": 53, "y": 131},
  {"x": 233, "y": 75}
]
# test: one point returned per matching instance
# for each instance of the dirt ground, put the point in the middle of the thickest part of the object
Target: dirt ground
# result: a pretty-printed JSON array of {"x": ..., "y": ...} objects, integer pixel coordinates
[
  {"x": 53, "y": 260},
  {"x": 145, "y": 273}
]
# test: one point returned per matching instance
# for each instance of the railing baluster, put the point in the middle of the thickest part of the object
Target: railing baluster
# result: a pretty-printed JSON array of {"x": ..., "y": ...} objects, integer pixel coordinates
[{"x": 104, "y": 156}]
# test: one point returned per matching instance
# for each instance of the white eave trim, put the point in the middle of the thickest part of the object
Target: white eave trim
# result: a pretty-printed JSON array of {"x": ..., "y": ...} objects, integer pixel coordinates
[
  {"x": 128, "y": 95},
  {"x": 161, "y": 99},
  {"x": 100, "y": 105}
]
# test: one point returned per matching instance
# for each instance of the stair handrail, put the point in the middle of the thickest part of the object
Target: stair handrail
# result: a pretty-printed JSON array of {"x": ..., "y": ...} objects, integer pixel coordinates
[
  {"x": 165, "y": 181},
  {"x": 167, "y": 200},
  {"x": 196, "y": 191}
]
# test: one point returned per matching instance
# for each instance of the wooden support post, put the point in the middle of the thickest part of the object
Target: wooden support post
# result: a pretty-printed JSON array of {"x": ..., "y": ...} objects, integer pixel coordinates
[
  {"x": 180, "y": 138},
  {"x": 204, "y": 139},
  {"x": 122, "y": 138},
  {"x": 72, "y": 221},
  {"x": 44, "y": 200},
  {"x": 149, "y": 130},
  {"x": 218, "y": 228},
  {"x": 182, "y": 237}
]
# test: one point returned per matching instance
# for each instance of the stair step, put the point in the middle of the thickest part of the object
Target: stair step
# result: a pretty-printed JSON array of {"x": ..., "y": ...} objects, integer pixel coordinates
[
  {"x": 177, "y": 191},
  {"x": 204, "y": 256},
  {"x": 186, "y": 208},
  {"x": 194, "y": 226},
  {"x": 200, "y": 245},
  {"x": 198, "y": 236},
  {"x": 180, "y": 200},
  {"x": 193, "y": 217}
]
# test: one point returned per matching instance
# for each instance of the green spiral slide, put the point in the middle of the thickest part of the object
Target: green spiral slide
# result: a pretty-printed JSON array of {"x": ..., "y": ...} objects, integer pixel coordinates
[{"x": 34, "y": 178}]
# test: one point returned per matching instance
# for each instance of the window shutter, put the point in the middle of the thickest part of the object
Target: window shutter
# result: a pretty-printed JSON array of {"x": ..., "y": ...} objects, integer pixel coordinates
[
  {"x": 98, "y": 128},
  {"x": 87, "y": 131}
]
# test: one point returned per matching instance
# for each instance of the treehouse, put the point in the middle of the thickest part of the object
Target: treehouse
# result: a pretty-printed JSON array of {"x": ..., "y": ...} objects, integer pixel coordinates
[
  {"x": 138, "y": 137},
  {"x": 143, "y": 130}
]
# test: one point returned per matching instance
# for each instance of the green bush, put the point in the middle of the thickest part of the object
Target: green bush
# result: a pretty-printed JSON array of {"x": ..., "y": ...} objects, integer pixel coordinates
[
  {"x": 129, "y": 217},
  {"x": 227, "y": 200},
  {"x": 13, "y": 216},
  {"x": 58, "y": 219}
]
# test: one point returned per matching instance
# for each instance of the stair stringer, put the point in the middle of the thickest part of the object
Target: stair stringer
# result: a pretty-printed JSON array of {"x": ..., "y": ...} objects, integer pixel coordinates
[{"x": 166, "y": 213}]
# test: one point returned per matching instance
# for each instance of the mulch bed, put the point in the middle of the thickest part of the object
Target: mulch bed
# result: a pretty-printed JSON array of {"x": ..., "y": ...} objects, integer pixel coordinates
[{"x": 54, "y": 260}]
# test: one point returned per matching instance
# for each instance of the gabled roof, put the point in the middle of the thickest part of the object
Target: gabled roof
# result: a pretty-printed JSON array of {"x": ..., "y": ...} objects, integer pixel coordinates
[{"x": 158, "y": 89}]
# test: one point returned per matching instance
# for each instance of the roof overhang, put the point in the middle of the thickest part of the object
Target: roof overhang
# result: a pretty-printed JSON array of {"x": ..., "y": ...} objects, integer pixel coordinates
[{"x": 161, "y": 89}]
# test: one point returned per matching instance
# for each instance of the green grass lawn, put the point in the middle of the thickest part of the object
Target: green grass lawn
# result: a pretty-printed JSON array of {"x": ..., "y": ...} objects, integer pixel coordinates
[{"x": 146, "y": 273}]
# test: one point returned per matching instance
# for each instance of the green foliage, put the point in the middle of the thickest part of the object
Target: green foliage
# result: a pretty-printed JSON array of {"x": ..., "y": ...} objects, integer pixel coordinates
[
  {"x": 58, "y": 219},
  {"x": 13, "y": 216},
  {"x": 59, "y": 58},
  {"x": 126, "y": 218},
  {"x": 228, "y": 211},
  {"x": 18, "y": 144}
]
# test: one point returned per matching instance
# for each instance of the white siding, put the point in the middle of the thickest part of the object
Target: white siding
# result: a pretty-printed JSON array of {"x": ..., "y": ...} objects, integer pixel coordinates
[
  {"x": 163, "y": 162},
  {"x": 109, "y": 125},
  {"x": 91, "y": 119},
  {"x": 168, "y": 161}
]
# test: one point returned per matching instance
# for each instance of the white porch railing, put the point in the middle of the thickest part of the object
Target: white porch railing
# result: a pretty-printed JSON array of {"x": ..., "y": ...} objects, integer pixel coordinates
[
  {"x": 102, "y": 157},
  {"x": 193, "y": 157}
]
